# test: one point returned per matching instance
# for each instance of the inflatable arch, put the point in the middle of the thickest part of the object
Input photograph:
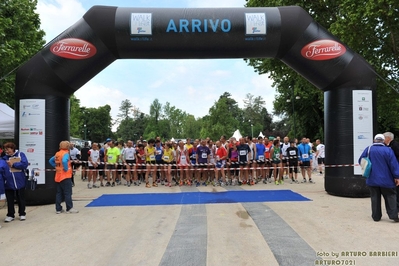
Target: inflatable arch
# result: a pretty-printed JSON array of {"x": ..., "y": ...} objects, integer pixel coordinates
[{"x": 104, "y": 34}]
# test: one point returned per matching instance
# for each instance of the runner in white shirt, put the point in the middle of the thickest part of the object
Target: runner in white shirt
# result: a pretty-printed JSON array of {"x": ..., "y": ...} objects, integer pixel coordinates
[
  {"x": 94, "y": 162},
  {"x": 129, "y": 160},
  {"x": 320, "y": 154},
  {"x": 284, "y": 167}
]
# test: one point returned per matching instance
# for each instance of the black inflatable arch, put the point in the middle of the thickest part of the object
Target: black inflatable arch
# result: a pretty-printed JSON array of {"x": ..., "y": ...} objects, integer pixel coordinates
[{"x": 106, "y": 34}]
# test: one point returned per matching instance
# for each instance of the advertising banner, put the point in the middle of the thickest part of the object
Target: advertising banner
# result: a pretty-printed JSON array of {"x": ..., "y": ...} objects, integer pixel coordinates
[
  {"x": 31, "y": 135},
  {"x": 362, "y": 124}
]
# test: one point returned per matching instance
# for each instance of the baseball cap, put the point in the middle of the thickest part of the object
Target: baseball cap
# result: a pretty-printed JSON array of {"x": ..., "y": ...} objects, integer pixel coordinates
[
  {"x": 379, "y": 137},
  {"x": 108, "y": 139}
]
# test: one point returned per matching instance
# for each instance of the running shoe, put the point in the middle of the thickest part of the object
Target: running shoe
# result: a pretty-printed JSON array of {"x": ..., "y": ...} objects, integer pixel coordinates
[
  {"x": 281, "y": 182},
  {"x": 204, "y": 184},
  {"x": 276, "y": 182},
  {"x": 181, "y": 183},
  {"x": 197, "y": 184},
  {"x": 147, "y": 185},
  {"x": 113, "y": 184},
  {"x": 311, "y": 181},
  {"x": 154, "y": 184},
  {"x": 304, "y": 180}
]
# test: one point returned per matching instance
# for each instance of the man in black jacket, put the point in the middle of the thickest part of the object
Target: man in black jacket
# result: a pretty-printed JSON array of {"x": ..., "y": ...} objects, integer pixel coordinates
[{"x": 394, "y": 145}]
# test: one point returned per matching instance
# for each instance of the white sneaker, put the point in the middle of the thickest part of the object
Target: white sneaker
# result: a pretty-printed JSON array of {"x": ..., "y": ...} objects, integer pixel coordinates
[
  {"x": 22, "y": 218},
  {"x": 61, "y": 211},
  {"x": 72, "y": 211},
  {"x": 8, "y": 219}
]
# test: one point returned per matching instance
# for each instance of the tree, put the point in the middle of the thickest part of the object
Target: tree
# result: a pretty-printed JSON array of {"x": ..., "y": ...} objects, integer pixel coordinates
[
  {"x": 256, "y": 117},
  {"x": 175, "y": 117},
  {"x": 156, "y": 110},
  {"x": 371, "y": 28},
  {"x": 99, "y": 123},
  {"x": 76, "y": 117},
  {"x": 20, "y": 39},
  {"x": 125, "y": 109},
  {"x": 224, "y": 118}
]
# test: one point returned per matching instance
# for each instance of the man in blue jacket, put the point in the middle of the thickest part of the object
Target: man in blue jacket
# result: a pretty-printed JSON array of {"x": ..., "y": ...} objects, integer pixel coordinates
[
  {"x": 3, "y": 167},
  {"x": 15, "y": 181},
  {"x": 383, "y": 179}
]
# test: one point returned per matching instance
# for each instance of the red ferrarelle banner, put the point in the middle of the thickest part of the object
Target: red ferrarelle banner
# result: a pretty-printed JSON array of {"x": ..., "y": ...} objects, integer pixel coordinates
[
  {"x": 73, "y": 48},
  {"x": 323, "y": 50}
]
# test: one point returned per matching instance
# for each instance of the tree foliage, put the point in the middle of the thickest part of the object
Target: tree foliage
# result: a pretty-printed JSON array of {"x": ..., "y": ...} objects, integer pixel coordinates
[
  {"x": 20, "y": 39},
  {"x": 370, "y": 28}
]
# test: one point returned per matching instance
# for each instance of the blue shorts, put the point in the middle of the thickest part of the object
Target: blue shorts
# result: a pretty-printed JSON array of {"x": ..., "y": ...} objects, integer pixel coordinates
[{"x": 220, "y": 164}]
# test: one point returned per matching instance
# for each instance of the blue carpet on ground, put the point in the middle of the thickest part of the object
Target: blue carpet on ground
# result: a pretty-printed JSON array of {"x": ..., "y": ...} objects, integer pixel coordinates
[{"x": 145, "y": 199}]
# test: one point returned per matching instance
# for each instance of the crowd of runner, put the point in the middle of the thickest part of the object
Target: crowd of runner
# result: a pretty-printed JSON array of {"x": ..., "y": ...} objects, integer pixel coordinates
[{"x": 199, "y": 162}]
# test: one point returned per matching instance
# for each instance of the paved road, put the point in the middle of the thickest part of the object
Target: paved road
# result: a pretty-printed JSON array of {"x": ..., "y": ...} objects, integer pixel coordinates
[{"x": 270, "y": 233}]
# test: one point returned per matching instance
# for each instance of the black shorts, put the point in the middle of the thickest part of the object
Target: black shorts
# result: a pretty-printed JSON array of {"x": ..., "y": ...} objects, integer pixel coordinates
[
  {"x": 293, "y": 169},
  {"x": 159, "y": 162},
  {"x": 243, "y": 163},
  {"x": 284, "y": 161},
  {"x": 131, "y": 162},
  {"x": 305, "y": 164},
  {"x": 85, "y": 163},
  {"x": 100, "y": 167},
  {"x": 234, "y": 165},
  {"x": 111, "y": 166},
  {"x": 276, "y": 162},
  {"x": 320, "y": 160},
  {"x": 150, "y": 162},
  {"x": 260, "y": 161},
  {"x": 202, "y": 165}
]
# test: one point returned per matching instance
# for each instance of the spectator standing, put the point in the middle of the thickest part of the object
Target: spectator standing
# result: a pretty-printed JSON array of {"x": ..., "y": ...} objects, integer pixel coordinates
[
  {"x": 383, "y": 179},
  {"x": 394, "y": 145},
  {"x": 15, "y": 181},
  {"x": 63, "y": 178}
]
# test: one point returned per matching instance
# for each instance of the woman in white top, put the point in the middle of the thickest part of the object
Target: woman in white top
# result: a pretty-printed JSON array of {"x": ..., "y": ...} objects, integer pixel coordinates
[
  {"x": 94, "y": 162},
  {"x": 183, "y": 162}
]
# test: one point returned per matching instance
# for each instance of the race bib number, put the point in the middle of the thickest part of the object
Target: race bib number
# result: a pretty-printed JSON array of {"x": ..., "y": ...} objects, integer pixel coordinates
[
  {"x": 204, "y": 156},
  {"x": 183, "y": 158},
  {"x": 152, "y": 157},
  {"x": 217, "y": 158},
  {"x": 242, "y": 153},
  {"x": 166, "y": 158},
  {"x": 267, "y": 150},
  {"x": 159, "y": 152},
  {"x": 292, "y": 153},
  {"x": 277, "y": 155},
  {"x": 110, "y": 157},
  {"x": 305, "y": 156},
  {"x": 261, "y": 157},
  {"x": 130, "y": 155}
]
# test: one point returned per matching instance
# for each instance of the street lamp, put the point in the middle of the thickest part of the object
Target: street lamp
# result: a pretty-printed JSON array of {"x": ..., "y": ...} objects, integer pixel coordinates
[
  {"x": 85, "y": 130},
  {"x": 293, "y": 110}
]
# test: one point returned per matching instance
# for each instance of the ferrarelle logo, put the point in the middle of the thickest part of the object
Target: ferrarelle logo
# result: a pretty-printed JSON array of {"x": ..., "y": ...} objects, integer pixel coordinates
[
  {"x": 73, "y": 48},
  {"x": 323, "y": 50}
]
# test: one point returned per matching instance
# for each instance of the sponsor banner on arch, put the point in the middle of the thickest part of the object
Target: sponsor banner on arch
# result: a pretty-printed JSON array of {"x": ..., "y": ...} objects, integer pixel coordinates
[
  {"x": 362, "y": 124},
  {"x": 32, "y": 135}
]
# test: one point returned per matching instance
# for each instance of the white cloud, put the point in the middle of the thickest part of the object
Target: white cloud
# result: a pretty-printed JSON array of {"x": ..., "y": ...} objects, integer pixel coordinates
[{"x": 58, "y": 15}]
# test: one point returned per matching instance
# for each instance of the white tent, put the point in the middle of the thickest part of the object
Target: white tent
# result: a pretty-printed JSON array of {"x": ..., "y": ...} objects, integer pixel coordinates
[
  {"x": 261, "y": 135},
  {"x": 6, "y": 122},
  {"x": 237, "y": 135}
]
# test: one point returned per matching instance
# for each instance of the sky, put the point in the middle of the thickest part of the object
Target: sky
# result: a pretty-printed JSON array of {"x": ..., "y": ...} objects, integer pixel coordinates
[{"x": 190, "y": 85}]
